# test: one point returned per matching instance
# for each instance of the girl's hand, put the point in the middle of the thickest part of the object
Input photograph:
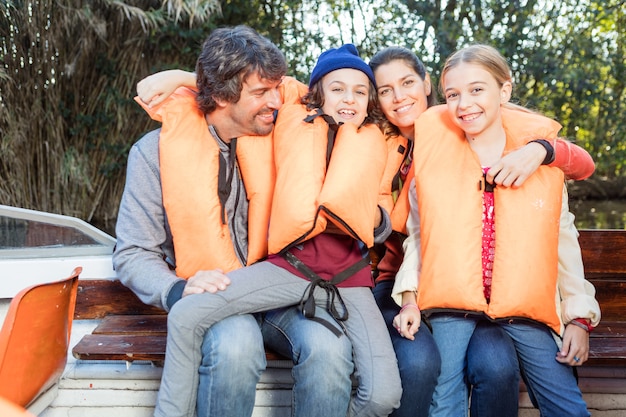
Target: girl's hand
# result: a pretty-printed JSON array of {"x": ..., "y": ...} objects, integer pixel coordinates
[
  {"x": 515, "y": 167},
  {"x": 575, "y": 350},
  {"x": 155, "y": 88},
  {"x": 407, "y": 321}
]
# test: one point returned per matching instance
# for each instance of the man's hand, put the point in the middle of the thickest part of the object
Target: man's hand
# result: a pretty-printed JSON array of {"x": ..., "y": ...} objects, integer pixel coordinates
[{"x": 206, "y": 281}]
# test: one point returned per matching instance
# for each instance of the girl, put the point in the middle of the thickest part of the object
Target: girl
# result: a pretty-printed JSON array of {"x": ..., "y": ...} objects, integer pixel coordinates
[
  {"x": 324, "y": 217},
  {"x": 516, "y": 277}
]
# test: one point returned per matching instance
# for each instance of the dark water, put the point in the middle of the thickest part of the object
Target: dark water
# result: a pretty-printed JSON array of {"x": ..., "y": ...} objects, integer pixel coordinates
[{"x": 599, "y": 214}]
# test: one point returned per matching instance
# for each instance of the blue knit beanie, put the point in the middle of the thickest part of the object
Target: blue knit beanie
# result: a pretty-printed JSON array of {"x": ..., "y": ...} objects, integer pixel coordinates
[{"x": 338, "y": 58}]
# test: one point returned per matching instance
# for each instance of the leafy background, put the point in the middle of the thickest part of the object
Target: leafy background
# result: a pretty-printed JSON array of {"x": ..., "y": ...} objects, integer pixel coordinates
[{"x": 68, "y": 71}]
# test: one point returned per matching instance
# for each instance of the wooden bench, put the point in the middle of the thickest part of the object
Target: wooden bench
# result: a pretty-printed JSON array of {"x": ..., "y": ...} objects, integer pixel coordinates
[
  {"x": 604, "y": 257},
  {"x": 131, "y": 330}
]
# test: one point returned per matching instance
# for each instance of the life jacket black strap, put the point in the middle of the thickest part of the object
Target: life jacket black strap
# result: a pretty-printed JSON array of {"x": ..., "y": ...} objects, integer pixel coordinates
[
  {"x": 333, "y": 127},
  {"x": 333, "y": 296}
]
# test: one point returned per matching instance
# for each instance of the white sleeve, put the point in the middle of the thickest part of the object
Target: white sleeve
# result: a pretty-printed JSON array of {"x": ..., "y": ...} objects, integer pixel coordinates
[
  {"x": 577, "y": 295},
  {"x": 407, "y": 276}
]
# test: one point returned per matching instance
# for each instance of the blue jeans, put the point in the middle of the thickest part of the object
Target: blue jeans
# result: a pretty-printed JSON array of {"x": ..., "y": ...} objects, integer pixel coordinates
[
  {"x": 493, "y": 372},
  {"x": 322, "y": 361},
  {"x": 551, "y": 383},
  {"x": 418, "y": 360},
  {"x": 233, "y": 358},
  {"x": 261, "y": 287}
]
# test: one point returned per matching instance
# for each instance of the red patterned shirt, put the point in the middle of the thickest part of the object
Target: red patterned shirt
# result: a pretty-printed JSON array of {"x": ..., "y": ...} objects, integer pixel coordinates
[{"x": 489, "y": 239}]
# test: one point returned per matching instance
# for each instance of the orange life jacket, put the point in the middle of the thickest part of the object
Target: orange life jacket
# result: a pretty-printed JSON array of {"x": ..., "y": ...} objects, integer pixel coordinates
[
  {"x": 401, "y": 208},
  {"x": 189, "y": 161},
  {"x": 396, "y": 154},
  {"x": 311, "y": 191},
  {"x": 450, "y": 208}
]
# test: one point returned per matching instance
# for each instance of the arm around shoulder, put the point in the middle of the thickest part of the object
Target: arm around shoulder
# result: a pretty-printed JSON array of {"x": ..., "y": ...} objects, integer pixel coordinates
[
  {"x": 155, "y": 88},
  {"x": 574, "y": 161}
]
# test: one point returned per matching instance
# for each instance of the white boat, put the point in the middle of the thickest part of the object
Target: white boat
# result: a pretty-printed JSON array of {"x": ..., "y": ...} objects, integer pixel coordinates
[{"x": 37, "y": 247}]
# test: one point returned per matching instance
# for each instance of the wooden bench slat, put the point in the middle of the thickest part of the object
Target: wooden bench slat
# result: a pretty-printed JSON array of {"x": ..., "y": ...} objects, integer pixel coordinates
[
  {"x": 611, "y": 294},
  {"x": 142, "y": 324},
  {"x": 609, "y": 329},
  {"x": 606, "y": 351},
  {"x": 131, "y": 347},
  {"x": 604, "y": 251},
  {"x": 120, "y": 347},
  {"x": 593, "y": 371},
  {"x": 99, "y": 297}
]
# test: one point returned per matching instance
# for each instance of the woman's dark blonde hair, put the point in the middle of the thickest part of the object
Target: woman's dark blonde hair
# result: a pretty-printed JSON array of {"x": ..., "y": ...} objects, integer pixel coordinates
[
  {"x": 488, "y": 58},
  {"x": 399, "y": 53}
]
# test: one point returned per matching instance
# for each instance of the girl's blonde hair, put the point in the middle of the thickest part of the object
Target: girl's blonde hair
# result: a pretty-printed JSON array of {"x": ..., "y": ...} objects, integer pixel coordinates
[{"x": 489, "y": 59}]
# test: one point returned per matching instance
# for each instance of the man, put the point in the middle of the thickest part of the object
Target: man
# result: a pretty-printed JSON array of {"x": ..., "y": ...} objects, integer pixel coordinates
[{"x": 195, "y": 206}]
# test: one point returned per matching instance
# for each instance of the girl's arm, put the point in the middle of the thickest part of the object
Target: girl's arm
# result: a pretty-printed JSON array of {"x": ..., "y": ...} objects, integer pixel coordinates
[
  {"x": 516, "y": 166},
  {"x": 155, "y": 88},
  {"x": 405, "y": 288}
]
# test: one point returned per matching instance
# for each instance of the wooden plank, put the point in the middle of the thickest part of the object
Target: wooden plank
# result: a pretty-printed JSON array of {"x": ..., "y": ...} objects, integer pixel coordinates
[
  {"x": 604, "y": 251},
  {"x": 608, "y": 328},
  {"x": 611, "y": 294},
  {"x": 602, "y": 386},
  {"x": 131, "y": 348},
  {"x": 142, "y": 324},
  {"x": 120, "y": 347},
  {"x": 607, "y": 351},
  {"x": 99, "y": 297}
]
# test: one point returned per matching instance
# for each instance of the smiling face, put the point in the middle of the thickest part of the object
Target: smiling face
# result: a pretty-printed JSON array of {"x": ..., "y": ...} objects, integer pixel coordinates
[
  {"x": 402, "y": 94},
  {"x": 474, "y": 98},
  {"x": 252, "y": 114},
  {"x": 346, "y": 95}
]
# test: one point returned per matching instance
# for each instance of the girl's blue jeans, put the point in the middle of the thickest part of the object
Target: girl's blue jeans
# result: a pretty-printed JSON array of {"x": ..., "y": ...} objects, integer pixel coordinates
[{"x": 552, "y": 384}]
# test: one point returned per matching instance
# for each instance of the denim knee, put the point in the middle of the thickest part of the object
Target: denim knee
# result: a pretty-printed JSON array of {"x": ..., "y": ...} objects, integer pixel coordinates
[
  {"x": 236, "y": 340},
  {"x": 492, "y": 357}
]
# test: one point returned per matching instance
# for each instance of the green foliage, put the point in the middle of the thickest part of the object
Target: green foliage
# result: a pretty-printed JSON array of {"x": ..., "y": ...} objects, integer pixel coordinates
[{"x": 68, "y": 72}]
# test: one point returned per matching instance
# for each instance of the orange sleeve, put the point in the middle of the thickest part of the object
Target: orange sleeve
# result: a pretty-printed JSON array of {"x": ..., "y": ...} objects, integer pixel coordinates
[{"x": 574, "y": 161}]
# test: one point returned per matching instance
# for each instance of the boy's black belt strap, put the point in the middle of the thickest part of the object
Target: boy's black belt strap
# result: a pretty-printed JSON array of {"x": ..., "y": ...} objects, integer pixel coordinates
[{"x": 307, "y": 303}]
